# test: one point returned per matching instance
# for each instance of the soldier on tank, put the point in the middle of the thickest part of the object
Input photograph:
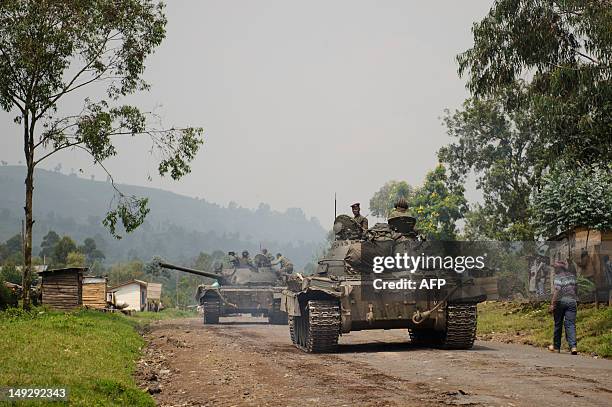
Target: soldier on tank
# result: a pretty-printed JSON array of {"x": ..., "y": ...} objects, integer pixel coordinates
[
  {"x": 232, "y": 259},
  {"x": 245, "y": 260},
  {"x": 268, "y": 255},
  {"x": 362, "y": 221},
  {"x": 286, "y": 267},
  {"x": 400, "y": 209}
]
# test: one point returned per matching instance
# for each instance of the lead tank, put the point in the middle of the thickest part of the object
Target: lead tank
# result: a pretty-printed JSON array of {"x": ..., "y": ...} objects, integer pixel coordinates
[
  {"x": 340, "y": 297},
  {"x": 238, "y": 290}
]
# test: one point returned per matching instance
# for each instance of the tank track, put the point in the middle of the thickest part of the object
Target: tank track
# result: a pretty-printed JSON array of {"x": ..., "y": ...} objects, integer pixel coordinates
[
  {"x": 461, "y": 322},
  {"x": 318, "y": 329},
  {"x": 276, "y": 316},
  {"x": 211, "y": 308},
  {"x": 460, "y": 329}
]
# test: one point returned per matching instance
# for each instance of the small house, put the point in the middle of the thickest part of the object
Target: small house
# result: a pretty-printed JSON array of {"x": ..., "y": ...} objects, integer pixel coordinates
[
  {"x": 133, "y": 294},
  {"x": 153, "y": 296},
  {"x": 94, "y": 292},
  {"x": 62, "y": 289}
]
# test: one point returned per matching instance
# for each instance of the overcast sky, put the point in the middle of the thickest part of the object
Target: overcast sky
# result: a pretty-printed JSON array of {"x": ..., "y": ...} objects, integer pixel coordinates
[{"x": 298, "y": 99}]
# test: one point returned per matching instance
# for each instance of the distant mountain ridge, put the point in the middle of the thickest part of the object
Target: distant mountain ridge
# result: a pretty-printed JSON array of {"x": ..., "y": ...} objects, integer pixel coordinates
[{"x": 177, "y": 227}]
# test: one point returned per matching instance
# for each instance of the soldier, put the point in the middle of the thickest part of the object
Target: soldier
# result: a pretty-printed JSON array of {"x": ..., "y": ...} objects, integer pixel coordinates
[
  {"x": 232, "y": 259},
  {"x": 268, "y": 255},
  {"x": 362, "y": 221},
  {"x": 286, "y": 267},
  {"x": 245, "y": 260},
  {"x": 400, "y": 209}
]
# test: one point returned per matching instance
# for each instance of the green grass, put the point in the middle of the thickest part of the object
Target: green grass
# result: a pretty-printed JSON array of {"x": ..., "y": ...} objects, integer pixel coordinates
[
  {"x": 144, "y": 318},
  {"x": 94, "y": 354},
  {"x": 532, "y": 324}
]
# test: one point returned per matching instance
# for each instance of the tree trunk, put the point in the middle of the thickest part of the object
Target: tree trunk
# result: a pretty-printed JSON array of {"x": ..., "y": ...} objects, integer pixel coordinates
[{"x": 29, "y": 221}]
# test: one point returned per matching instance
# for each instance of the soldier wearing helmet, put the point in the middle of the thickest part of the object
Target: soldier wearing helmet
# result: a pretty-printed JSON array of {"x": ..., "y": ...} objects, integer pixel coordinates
[
  {"x": 400, "y": 209},
  {"x": 245, "y": 260}
]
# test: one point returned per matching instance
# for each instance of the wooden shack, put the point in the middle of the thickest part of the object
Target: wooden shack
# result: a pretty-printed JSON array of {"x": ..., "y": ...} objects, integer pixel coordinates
[
  {"x": 153, "y": 296},
  {"x": 62, "y": 289},
  {"x": 94, "y": 292}
]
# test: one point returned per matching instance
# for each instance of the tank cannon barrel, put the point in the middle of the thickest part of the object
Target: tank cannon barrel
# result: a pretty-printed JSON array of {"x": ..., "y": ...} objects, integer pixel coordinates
[{"x": 190, "y": 270}]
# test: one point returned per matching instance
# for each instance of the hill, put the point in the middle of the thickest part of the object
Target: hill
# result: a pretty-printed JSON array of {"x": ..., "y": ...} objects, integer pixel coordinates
[{"x": 177, "y": 228}]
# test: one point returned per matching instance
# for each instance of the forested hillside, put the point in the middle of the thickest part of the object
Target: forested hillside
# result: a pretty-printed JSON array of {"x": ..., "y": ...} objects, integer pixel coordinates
[{"x": 177, "y": 228}]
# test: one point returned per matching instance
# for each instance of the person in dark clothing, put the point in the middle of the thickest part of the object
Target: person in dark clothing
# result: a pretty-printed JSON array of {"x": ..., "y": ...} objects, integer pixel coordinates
[{"x": 563, "y": 306}]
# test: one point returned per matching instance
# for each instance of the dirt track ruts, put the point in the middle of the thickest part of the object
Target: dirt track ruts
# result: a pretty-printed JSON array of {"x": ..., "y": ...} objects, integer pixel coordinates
[{"x": 243, "y": 361}]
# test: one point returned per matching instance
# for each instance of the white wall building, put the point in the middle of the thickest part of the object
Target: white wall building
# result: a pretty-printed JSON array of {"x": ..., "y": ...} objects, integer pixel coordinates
[{"x": 133, "y": 293}]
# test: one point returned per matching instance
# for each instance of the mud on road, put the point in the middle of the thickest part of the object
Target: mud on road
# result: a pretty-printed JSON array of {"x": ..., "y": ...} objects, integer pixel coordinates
[{"x": 247, "y": 362}]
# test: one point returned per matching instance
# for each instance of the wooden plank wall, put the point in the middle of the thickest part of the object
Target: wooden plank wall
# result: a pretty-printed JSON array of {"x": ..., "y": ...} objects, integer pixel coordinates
[
  {"x": 94, "y": 295},
  {"x": 62, "y": 290}
]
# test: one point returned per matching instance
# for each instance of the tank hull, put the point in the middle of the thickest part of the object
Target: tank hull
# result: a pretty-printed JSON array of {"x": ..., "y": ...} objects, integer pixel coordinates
[{"x": 234, "y": 300}]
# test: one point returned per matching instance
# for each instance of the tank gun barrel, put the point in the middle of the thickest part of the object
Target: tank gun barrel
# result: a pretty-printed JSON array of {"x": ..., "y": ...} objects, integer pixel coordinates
[{"x": 190, "y": 270}]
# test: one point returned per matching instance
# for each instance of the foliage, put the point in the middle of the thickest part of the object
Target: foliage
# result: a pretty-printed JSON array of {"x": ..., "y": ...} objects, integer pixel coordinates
[
  {"x": 564, "y": 48},
  {"x": 91, "y": 252},
  {"x": 499, "y": 146},
  {"x": 61, "y": 250},
  {"x": 12, "y": 250},
  {"x": 436, "y": 207},
  {"x": 541, "y": 83},
  {"x": 48, "y": 244},
  {"x": 75, "y": 259},
  {"x": 382, "y": 202},
  {"x": 92, "y": 353},
  {"x": 123, "y": 272},
  {"x": 10, "y": 273},
  {"x": 574, "y": 197}
]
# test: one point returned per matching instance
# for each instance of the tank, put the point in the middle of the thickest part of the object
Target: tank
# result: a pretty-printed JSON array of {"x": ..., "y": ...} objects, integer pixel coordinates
[
  {"x": 240, "y": 289},
  {"x": 341, "y": 296}
]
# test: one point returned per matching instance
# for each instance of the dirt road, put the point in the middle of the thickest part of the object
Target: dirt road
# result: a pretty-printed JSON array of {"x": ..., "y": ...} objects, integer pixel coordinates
[{"x": 247, "y": 362}]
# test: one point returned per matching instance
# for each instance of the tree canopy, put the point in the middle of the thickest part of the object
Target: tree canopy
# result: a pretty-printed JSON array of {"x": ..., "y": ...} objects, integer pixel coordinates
[
  {"x": 540, "y": 75},
  {"x": 55, "y": 48}
]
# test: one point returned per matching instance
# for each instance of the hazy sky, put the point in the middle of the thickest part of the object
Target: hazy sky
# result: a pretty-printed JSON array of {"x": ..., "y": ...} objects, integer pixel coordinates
[{"x": 298, "y": 99}]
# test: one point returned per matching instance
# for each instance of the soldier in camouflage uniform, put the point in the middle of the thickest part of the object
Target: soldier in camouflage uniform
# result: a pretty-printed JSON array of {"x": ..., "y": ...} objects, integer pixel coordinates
[
  {"x": 232, "y": 259},
  {"x": 268, "y": 255},
  {"x": 362, "y": 221},
  {"x": 400, "y": 209},
  {"x": 245, "y": 260},
  {"x": 286, "y": 267}
]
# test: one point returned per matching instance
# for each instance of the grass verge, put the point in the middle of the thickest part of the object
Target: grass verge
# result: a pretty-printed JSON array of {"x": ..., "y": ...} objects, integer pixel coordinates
[
  {"x": 91, "y": 353},
  {"x": 533, "y": 325}
]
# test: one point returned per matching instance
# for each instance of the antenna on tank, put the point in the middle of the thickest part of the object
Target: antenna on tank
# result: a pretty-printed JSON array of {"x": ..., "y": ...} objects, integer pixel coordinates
[{"x": 335, "y": 205}]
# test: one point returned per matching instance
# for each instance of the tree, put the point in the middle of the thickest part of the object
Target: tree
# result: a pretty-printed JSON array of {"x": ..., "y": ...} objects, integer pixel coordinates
[
  {"x": 91, "y": 252},
  {"x": 574, "y": 197},
  {"x": 48, "y": 244},
  {"x": 75, "y": 259},
  {"x": 61, "y": 250},
  {"x": 384, "y": 199},
  {"x": 437, "y": 207},
  {"x": 564, "y": 49},
  {"x": 501, "y": 148},
  {"x": 52, "y": 49}
]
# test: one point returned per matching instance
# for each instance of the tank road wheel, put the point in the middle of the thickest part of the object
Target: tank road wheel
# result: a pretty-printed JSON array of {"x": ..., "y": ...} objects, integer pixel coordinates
[
  {"x": 211, "y": 308},
  {"x": 275, "y": 315},
  {"x": 460, "y": 326},
  {"x": 318, "y": 328}
]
